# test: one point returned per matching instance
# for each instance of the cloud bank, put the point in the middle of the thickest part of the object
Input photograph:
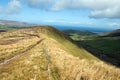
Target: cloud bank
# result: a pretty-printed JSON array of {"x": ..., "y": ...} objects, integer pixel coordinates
[{"x": 97, "y": 8}]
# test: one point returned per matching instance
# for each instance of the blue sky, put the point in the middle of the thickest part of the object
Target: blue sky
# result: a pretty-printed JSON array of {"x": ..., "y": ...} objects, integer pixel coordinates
[{"x": 103, "y": 14}]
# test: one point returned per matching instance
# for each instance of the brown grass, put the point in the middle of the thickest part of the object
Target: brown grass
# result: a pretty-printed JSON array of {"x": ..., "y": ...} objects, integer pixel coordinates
[
  {"x": 9, "y": 50},
  {"x": 73, "y": 68},
  {"x": 49, "y": 60}
]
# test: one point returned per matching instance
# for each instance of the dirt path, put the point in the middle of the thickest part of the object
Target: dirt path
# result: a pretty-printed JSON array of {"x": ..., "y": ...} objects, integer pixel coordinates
[{"x": 21, "y": 53}]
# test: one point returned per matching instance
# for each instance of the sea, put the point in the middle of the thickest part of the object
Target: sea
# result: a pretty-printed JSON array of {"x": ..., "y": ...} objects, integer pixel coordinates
[{"x": 94, "y": 30}]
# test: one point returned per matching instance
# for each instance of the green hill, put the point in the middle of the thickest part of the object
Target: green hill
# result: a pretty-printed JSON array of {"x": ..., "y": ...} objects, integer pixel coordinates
[
  {"x": 105, "y": 46},
  {"x": 78, "y": 32},
  {"x": 115, "y": 33}
]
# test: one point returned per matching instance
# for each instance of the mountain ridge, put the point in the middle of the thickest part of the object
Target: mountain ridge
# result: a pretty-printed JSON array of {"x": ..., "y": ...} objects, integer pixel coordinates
[
  {"x": 78, "y": 32},
  {"x": 54, "y": 58},
  {"x": 15, "y": 23},
  {"x": 114, "y": 33}
]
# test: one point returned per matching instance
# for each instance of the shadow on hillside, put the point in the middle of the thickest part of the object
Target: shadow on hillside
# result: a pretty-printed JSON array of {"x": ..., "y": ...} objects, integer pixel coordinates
[{"x": 99, "y": 54}]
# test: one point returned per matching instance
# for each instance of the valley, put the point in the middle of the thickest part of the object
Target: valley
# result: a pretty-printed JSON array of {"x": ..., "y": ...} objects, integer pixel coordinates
[{"x": 105, "y": 46}]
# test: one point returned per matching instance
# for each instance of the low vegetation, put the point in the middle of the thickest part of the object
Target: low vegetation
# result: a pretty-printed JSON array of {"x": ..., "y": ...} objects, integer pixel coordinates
[
  {"x": 4, "y": 28},
  {"x": 105, "y": 46},
  {"x": 49, "y": 54}
]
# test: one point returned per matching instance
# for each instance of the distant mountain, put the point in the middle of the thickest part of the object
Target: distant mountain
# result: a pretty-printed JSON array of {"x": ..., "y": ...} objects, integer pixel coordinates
[
  {"x": 114, "y": 33},
  {"x": 6, "y": 25},
  {"x": 78, "y": 32},
  {"x": 14, "y": 23}
]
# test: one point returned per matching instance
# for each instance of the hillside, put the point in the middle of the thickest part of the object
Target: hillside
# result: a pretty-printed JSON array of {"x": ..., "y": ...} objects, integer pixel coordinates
[
  {"x": 115, "y": 33},
  {"x": 6, "y": 25},
  {"x": 44, "y": 53},
  {"x": 78, "y": 32},
  {"x": 4, "y": 28},
  {"x": 105, "y": 46},
  {"x": 15, "y": 23}
]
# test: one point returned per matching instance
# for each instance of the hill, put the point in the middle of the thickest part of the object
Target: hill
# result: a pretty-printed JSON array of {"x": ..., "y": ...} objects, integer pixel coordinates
[
  {"x": 45, "y": 53},
  {"x": 6, "y": 25},
  {"x": 15, "y": 23},
  {"x": 115, "y": 33},
  {"x": 4, "y": 28},
  {"x": 78, "y": 32},
  {"x": 105, "y": 46}
]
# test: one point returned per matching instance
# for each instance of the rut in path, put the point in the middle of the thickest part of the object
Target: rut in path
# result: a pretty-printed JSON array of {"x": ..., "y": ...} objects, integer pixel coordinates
[
  {"x": 47, "y": 57},
  {"x": 21, "y": 53}
]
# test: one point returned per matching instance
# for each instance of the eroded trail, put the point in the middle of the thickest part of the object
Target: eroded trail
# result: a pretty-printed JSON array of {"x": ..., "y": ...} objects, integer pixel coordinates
[
  {"x": 33, "y": 64},
  {"x": 21, "y": 53}
]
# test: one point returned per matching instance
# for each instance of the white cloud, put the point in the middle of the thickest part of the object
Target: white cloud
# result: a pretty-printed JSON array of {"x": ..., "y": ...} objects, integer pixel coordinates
[
  {"x": 86, "y": 4},
  {"x": 66, "y": 4},
  {"x": 114, "y": 24},
  {"x": 14, "y": 7},
  {"x": 99, "y": 8},
  {"x": 43, "y": 4},
  {"x": 107, "y": 13}
]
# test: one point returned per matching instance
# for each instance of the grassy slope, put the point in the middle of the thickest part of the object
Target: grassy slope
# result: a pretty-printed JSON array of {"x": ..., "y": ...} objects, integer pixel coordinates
[
  {"x": 68, "y": 45},
  {"x": 101, "y": 45},
  {"x": 73, "y": 68},
  {"x": 107, "y": 45},
  {"x": 57, "y": 49},
  {"x": 78, "y": 32}
]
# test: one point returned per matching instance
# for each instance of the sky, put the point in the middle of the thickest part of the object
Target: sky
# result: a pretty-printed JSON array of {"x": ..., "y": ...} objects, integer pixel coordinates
[{"x": 101, "y": 14}]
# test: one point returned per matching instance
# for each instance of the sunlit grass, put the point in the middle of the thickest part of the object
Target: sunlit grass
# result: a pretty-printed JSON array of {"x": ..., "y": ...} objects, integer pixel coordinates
[{"x": 54, "y": 58}]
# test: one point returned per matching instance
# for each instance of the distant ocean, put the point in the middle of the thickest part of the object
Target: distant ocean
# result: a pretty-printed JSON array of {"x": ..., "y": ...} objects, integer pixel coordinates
[{"x": 94, "y": 30}]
